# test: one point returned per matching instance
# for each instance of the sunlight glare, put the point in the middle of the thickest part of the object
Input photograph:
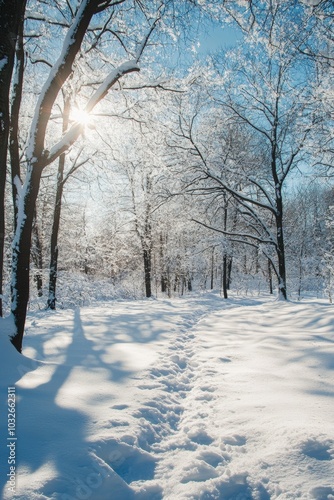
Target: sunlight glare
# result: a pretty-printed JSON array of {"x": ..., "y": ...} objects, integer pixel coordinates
[{"x": 80, "y": 116}]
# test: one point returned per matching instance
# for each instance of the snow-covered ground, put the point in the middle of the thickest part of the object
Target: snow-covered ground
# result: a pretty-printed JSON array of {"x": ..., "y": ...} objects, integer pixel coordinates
[{"x": 193, "y": 398}]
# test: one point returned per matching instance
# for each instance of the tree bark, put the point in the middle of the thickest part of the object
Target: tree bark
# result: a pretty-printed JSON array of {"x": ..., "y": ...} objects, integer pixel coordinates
[
  {"x": 11, "y": 16},
  {"x": 270, "y": 278},
  {"x": 21, "y": 256},
  {"x": 14, "y": 148},
  {"x": 229, "y": 272},
  {"x": 212, "y": 268},
  {"x": 37, "y": 256},
  {"x": 225, "y": 277},
  {"x": 282, "y": 290},
  {"x": 147, "y": 254},
  {"x": 53, "y": 272}
]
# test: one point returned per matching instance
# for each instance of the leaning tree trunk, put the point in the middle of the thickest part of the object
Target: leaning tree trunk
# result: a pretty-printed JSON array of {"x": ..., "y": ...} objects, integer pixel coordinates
[
  {"x": 37, "y": 160},
  {"x": 38, "y": 157}
]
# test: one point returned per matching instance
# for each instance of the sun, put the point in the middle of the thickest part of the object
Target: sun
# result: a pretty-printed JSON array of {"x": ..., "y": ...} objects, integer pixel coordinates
[{"x": 81, "y": 116}]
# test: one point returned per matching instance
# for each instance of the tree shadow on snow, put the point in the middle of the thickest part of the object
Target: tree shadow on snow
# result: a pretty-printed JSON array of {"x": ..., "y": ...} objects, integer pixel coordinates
[{"x": 53, "y": 433}]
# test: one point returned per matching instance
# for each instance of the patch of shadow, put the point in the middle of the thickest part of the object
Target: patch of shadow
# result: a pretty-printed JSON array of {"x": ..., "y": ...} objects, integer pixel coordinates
[
  {"x": 201, "y": 473},
  {"x": 128, "y": 461},
  {"x": 119, "y": 407},
  {"x": 235, "y": 440},
  {"x": 200, "y": 437},
  {"x": 318, "y": 450},
  {"x": 213, "y": 459},
  {"x": 152, "y": 492},
  {"x": 225, "y": 360},
  {"x": 138, "y": 466},
  {"x": 119, "y": 423},
  {"x": 236, "y": 488},
  {"x": 321, "y": 493},
  {"x": 205, "y": 397},
  {"x": 208, "y": 388},
  {"x": 262, "y": 493}
]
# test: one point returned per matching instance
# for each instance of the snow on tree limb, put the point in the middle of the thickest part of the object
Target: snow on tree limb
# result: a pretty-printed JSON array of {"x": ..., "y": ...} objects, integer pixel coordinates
[
  {"x": 127, "y": 67},
  {"x": 74, "y": 132},
  {"x": 57, "y": 76},
  {"x": 110, "y": 80},
  {"x": 238, "y": 235}
]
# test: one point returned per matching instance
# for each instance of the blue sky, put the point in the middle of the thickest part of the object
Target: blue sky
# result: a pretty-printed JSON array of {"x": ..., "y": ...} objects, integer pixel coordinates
[{"x": 217, "y": 37}]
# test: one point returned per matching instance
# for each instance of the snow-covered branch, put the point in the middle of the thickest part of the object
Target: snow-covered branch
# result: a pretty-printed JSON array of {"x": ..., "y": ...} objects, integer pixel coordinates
[
  {"x": 235, "y": 235},
  {"x": 76, "y": 129}
]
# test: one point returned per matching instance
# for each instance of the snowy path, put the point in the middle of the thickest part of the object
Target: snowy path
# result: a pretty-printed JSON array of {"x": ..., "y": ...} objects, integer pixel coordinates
[
  {"x": 232, "y": 413},
  {"x": 190, "y": 399}
]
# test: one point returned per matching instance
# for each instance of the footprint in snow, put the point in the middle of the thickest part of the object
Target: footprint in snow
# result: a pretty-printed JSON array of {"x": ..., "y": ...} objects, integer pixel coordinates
[
  {"x": 322, "y": 493},
  {"x": 320, "y": 450},
  {"x": 199, "y": 471},
  {"x": 119, "y": 407},
  {"x": 235, "y": 440},
  {"x": 149, "y": 386},
  {"x": 207, "y": 388},
  {"x": 199, "y": 436},
  {"x": 119, "y": 423},
  {"x": 181, "y": 362},
  {"x": 235, "y": 488},
  {"x": 205, "y": 397},
  {"x": 214, "y": 459},
  {"x": 129, "y": 462},
  {"x": 225, "y": 360}
]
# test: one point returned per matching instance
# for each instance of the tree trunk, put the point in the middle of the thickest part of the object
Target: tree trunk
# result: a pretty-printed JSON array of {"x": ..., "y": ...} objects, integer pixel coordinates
[
  {"x": 163, "y": 278},
  {"x": 14, "y": 121},
  {"x": 163, "y": 283},
  {"x": 147, "y": 254},
  {"x": 212, "y": 268},
  {"x": 53, "y": 271},
  {"x": 270, "y": 278},
  {"x": 225, "y": 276},
  {"x": 11, "y": 16},
  {"x": 36, "y": 161},
  {"x": 229, "y": 272},
  {"x": 21, "y": 254},
  {"x": 282, "y": 291},
  {"x": 37, "y": 257}
]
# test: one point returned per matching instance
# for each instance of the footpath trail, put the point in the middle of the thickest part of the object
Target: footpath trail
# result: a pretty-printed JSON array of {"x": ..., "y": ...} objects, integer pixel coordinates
[{"x": 230, "y": 411}]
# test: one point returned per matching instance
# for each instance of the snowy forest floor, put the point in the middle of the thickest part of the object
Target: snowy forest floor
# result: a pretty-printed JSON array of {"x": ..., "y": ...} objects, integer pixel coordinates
[{"x": 192, "y": 398}]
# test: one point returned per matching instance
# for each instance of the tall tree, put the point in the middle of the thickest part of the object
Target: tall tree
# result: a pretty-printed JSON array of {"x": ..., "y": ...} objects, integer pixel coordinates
[
  {"x": 271, "y": 113},
  {"x": 11, "y": 22},
  {"x": 38, "y": 157}
]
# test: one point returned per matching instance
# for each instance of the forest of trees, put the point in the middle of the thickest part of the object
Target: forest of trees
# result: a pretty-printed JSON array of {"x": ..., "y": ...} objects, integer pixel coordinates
[{"x": 130, "y": 159}]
